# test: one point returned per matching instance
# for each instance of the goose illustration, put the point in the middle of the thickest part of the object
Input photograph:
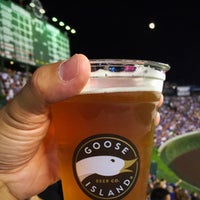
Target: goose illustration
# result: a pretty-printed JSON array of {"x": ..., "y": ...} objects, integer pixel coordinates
[{"x": 102, "y": 165}]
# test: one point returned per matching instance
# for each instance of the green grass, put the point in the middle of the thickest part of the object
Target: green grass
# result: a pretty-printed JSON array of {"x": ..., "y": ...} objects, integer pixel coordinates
[
  {"x": 179, "y": 145},
  {"x": 163, "y": 171}
]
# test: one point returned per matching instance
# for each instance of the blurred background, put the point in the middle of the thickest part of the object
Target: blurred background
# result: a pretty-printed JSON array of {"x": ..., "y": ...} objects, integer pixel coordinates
[{"x": 38, "y": 32}]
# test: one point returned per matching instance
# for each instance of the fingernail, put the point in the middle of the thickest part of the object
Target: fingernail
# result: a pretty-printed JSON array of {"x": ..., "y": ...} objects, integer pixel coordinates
[{"x": 68, "y": 69}]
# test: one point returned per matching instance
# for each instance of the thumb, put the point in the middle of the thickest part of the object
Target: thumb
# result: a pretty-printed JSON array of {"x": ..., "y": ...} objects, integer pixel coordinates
[
  {"x": 25, "y": 119},
  {"x": 55, "y": 82}
]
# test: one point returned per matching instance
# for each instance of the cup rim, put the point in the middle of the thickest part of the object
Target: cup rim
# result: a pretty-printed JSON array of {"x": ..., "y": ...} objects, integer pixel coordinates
[{"x": 124, "y": 62}]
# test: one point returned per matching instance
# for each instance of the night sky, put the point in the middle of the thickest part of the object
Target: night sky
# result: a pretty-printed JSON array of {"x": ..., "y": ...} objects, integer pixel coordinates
[{"x": 119, "y": 29}]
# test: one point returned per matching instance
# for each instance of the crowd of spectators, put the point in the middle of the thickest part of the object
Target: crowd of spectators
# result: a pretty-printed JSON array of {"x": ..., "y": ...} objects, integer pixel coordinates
[
  {"x": 159, "y": 189},
  {"x": 11, "y": 82},
  {"x": 179, "y": 115}
]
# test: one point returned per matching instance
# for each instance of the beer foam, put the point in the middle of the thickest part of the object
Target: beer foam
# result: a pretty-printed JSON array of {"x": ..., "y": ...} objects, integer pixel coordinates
[
  {"x": 125, "y": 76},
  {"x": 106, "y": 85}
]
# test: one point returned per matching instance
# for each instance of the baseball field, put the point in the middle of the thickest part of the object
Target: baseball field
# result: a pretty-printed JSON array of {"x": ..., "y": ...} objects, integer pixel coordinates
[{"x": 179, "y": 158}]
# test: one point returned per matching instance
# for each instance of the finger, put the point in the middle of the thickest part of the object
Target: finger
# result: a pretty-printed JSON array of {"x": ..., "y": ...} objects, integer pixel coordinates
[
  {"x": 157, "y": 119},
  {"x": 25, "y": 120},
  {"x": 55, "y": 82},
  {"x": 161, "y": 101}
]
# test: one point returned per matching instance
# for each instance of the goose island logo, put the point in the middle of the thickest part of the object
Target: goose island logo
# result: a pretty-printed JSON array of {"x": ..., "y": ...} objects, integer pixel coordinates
[{"x": 106, "y": 166}]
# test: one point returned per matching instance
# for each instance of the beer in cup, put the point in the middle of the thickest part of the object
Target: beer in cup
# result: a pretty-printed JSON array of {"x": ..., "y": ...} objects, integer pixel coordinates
[{"x": 105, "y": 134}]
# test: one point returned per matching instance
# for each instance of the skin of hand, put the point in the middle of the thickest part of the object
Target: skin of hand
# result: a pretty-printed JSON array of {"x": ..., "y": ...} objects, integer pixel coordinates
[
  {"x": 157, "y": 119},
  {"x": 28, "y": 161}
]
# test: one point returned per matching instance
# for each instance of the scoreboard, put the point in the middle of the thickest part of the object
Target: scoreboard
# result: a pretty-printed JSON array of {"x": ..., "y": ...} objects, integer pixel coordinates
[{"x": 27, "y": 39}]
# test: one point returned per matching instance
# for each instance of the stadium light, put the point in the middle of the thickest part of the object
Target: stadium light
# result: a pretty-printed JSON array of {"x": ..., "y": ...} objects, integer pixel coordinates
[
  {"x": 54, "y": 19},
  {"x": 32, "y": 5},
  {"x": 42, "y": 11},
  {"x": 61, "y": 23},
  {"x": 73, "y": 31},
  {"x": 67, "y": 27},
  {"x": 12, "y": 62}
]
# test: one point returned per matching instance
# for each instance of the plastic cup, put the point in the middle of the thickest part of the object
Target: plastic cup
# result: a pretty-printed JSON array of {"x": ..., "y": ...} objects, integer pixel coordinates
[{"x": 105, "y": 134}]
